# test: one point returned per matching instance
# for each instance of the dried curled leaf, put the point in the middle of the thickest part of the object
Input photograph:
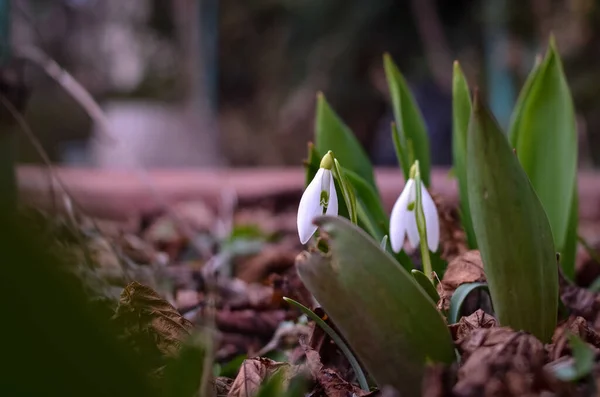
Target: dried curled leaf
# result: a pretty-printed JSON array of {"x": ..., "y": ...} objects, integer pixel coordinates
[
  {"x": 580, "y": 301},
  {"x": 466, "y": 268},
  {"x": 500, "y": 362},
  {"x": 150, "y": 322},
  {"x": 466, "y": 325},
  {"x": 576, "y": 326}
]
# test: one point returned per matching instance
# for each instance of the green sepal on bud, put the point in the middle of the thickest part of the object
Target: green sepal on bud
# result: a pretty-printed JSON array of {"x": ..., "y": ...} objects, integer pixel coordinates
[{"x": 327, "y": 161}]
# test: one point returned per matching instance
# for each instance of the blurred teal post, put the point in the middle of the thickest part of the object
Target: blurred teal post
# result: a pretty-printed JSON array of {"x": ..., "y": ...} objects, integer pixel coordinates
[
  {"x": 8, "y": 139},
  {"x": 501, "y": 90}
]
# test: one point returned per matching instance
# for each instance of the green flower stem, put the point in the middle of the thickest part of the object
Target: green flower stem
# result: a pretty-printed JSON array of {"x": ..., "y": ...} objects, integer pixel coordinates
[{"x": 421, "y": 227}]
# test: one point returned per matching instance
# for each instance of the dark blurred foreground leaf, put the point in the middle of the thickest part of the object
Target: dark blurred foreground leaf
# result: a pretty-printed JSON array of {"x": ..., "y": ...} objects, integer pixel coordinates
[
  {"x": 390, "y": 322},
  {"x": 57, "y": 343},
  {"x": 183, "y": 374}
]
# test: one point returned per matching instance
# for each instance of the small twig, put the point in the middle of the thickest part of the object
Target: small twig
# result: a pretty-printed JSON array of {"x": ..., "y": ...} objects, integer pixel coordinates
[
  {"x": 68, "y": 83},
  {"x": 87, "y": 102}
]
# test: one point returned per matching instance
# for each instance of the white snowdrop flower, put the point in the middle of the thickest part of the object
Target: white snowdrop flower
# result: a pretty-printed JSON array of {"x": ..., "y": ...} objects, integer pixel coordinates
[
  {"x": 318, "y": 198},
  {"x": 403, "y": 219}
]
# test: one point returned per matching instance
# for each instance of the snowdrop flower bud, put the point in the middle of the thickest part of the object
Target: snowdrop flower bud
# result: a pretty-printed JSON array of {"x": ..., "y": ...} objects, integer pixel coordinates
[
  {"x": 318, "y": 198},
  {"x": 403, "y": 219}
]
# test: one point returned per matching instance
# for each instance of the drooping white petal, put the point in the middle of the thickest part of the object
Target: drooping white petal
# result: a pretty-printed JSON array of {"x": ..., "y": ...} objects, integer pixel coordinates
[
  {"x": 332, "y": 207},
  {"x": 432, "y": 220},
  {"x": 400, "y": 217},
  {"x": 310, "y": 207},
  {"x": 411, "y": 228}
]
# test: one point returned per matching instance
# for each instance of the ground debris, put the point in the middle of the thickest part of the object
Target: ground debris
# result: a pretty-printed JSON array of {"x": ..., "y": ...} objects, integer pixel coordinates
[
  {"x": 500, "y": 362},
  {"x": 580, "y": 301}
]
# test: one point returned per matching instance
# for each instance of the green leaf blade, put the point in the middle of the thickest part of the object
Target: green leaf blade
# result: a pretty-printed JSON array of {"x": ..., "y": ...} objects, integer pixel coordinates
[
  {"x": 458, "y": 298},
  {"x": 543, "y": 131},
  {"x": 513, "y": 231},
  {"x": 388, "y": 319},
  {"x": 409, "y": 120},
  {"x": 332, "y": 134},
  {"x": 461, "y": 113}
]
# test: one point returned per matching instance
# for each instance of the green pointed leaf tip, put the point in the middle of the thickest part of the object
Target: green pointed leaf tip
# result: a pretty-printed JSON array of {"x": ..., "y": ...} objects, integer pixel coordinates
[
  {"x": 385, "y": 316},
  {"x": 461, "y": 113},
  {"x": 426, "y": 284},
  {"x": 513, "y": 232},
  {"x": 409, "y": 120},
  {"x": 543, "y": 131},
  {"x": 332, "y": 134}
]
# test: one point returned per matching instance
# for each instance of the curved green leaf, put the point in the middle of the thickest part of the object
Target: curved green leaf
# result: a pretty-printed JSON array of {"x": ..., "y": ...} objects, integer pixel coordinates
[
  {"x": 391, "y": 323},
  {"x": 360, "y": 376},
  {"x": 458, "y": 298},
  {"x": 426, "y": 284},
  {"x": 544, "y": 133},
  {"x": 409, "y": 120},
  {"x": 513, "y": 232},
  {"x": 332, "y": 134},
  {"x": 461, "y": 112}
]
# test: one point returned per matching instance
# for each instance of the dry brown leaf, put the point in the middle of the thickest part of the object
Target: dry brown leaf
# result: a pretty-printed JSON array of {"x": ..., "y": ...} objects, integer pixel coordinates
[
  {"x": 271, "y": 259},
  {"x": 466, "y": 325},
  {"x": 255, "y": 371},
  {"x": 573, "y": 325},
  {"x": 500, "y": 362},
  {"x": 250, "y": 321},
  {"x": 466, "y": 268},
  {"x": 580, "y": 301},
  {"x": 145, "y": 315}
]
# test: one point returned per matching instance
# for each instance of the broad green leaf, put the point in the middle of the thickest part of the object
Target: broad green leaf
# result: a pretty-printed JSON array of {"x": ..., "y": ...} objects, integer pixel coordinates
[
  {"x": 426, "y": 284},
  {"x": 370, "y": 200},
  {"x": 582, "y": 364},
  {"x": 513, "y": 232},
  {"x": 409, "y": 120},
  {"x": 461, "y": 112},
  {"x": 360, "y": 376},
  {"x": 544, "y": 134},
  {"x": 332, "y": 134},
  {"x": 381, "y": 311},
  {"x": 312, "y": 163},
  {"x": 372, "y": 217},
  {"x": 458, "y": 298},
  {"x": 403, "y": 154}
]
